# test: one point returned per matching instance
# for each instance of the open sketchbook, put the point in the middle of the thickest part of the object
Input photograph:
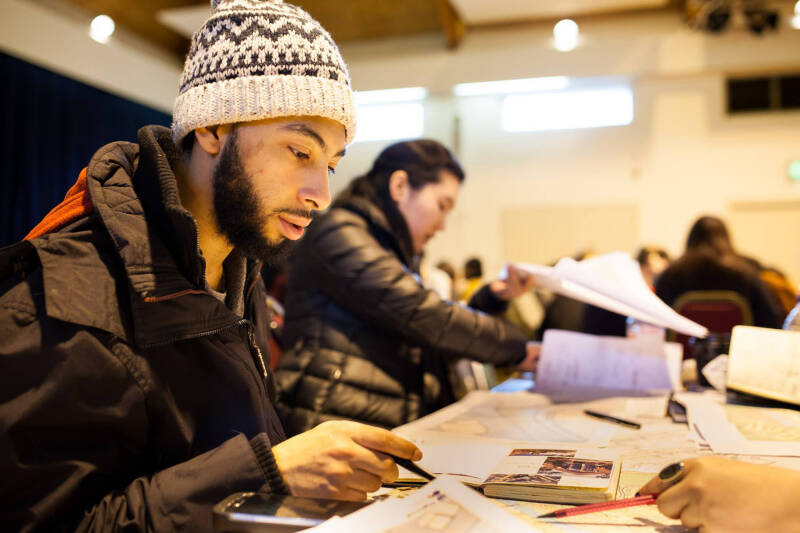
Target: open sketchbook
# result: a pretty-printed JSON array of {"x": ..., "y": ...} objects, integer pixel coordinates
[
  {"x": 614, "y": 282},
  {"x": 765, "y": 362}
]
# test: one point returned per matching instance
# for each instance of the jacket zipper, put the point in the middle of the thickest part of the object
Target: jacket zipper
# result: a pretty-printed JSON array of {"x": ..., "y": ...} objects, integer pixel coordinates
[{"x": 255, "y": 351}]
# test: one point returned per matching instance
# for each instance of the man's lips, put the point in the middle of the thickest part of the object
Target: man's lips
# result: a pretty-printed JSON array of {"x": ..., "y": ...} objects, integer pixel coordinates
[{"x": 292, "y": 227}]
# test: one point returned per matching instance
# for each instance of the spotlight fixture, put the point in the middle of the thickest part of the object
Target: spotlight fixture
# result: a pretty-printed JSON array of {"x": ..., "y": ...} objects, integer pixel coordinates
[
  {"x": 759, "y": 17},
  {"x": 715, "y": 16},
  {"x": 101, "y": 28},
  {"x": 565, "y": 35}
]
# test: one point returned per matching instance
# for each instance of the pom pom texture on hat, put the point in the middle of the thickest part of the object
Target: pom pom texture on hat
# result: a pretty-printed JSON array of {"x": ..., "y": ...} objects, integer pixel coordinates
[{"x": 256, "y": 59}]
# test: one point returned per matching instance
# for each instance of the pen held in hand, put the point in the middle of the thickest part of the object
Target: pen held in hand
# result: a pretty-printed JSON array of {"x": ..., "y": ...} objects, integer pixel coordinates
[
  {"x": 413, "y": 467},
  {"x": 614, "y": 419}
]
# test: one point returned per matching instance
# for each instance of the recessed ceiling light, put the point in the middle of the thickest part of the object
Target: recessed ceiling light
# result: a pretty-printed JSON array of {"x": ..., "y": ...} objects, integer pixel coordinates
[
  {"x": 101, "y": 28},
  {"x": 565, "y": 35}
]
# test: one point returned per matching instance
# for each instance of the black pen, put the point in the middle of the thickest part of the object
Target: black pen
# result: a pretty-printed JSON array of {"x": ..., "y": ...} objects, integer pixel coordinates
[
  {"x": 413, "y": 467},
  {"x": 621, "y": 421}
]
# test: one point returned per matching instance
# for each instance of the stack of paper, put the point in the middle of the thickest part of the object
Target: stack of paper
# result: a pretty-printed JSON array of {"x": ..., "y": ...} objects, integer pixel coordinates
[{"x": 614, "y": 282}]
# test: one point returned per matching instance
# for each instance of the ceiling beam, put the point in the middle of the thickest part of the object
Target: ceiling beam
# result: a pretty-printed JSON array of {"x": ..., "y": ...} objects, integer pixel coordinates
[{"x": 452, "y": 25}]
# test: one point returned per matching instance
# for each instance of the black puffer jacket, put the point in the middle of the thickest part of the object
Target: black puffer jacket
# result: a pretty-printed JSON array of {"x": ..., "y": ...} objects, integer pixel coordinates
[
  {"x": 366, "y": 340},
  {"x": 130, "y": 398}
]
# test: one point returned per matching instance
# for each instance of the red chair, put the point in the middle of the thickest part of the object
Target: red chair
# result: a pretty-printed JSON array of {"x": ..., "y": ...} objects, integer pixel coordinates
[{"x": 719, "y": 311}]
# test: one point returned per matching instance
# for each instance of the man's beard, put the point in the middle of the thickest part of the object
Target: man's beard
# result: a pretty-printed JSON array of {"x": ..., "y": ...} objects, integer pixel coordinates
[{"x": 239, "y": 213}]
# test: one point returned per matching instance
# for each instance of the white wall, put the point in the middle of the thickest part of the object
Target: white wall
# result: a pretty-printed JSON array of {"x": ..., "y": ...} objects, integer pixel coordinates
[{"x": 681, "y": 157}]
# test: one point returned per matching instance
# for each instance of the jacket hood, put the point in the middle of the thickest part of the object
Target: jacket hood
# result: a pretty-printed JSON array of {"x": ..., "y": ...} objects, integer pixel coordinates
[
  {"x": 382, "y": 214},
  {"x": 149, "y": 234}
]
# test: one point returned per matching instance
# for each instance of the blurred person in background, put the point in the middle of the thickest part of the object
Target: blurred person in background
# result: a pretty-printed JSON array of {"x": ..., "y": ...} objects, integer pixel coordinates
[
  {"x": 367, "y": 340},
  {"x": 473, "y": 278},
  {"x": 710, "y": 263}
]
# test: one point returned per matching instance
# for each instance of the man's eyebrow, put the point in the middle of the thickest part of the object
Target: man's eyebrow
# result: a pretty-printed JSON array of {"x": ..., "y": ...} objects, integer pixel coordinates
[{"x": 304, "y": 129}]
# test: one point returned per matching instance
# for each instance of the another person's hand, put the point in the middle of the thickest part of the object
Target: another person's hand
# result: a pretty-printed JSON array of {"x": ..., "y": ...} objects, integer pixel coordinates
[
  {"x": 718, "y": 494},
  {"x": 341, "y": 460},
  {"x": 517, "y": 283},
  {"x": 533, "y": 350}
]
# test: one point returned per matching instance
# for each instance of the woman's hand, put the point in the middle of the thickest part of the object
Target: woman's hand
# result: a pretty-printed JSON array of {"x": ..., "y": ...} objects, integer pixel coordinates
[
  {"x": 728, "y": 496},
  {"x": 533, "y": 350},
  {"x": 516, "y": 283}
]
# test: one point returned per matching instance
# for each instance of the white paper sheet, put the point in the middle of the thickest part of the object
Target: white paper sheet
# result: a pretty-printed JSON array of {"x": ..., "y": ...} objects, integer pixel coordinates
[
  {"x": 442, "y": 505},
  {"x": 614, "y": 282},
  {"x": 744, "y": 430},
  {"x": 765, "y": 362},
  {"x": 572, "y": 360}
]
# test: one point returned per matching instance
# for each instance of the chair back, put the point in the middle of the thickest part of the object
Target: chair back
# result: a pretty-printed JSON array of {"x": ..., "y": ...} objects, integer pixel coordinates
[{"x": 719, "y": 311}]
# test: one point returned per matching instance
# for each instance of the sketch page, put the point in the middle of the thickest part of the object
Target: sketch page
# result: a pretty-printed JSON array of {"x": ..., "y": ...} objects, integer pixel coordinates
[
  {"x": 520, "y": 417},
  {"x": 742, "y": 429},
  {"x": 442, "y": 505},
  {"x": 573, "y": 360},
  {"x": 612, "y": 281},
  {"x": 765, "y": 362}
]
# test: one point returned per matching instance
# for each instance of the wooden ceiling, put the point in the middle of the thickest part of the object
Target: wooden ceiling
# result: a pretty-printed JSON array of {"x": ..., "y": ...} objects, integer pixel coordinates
[
  {"x": 346, "y": 20},
  {"x": 349, "y": 20}
]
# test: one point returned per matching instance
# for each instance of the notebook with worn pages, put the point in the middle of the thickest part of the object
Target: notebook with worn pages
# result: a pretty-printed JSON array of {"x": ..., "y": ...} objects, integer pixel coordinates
[{"x": 555, "y": 475}]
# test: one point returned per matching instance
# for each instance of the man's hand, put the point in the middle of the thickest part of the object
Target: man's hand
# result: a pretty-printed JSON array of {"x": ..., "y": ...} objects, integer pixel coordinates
[
  {"x": 516, "y": 283},
  {"x": 533, "y": 350},
  {"x": 719, "y": 494},
  {"x": 341, "y": 460}
]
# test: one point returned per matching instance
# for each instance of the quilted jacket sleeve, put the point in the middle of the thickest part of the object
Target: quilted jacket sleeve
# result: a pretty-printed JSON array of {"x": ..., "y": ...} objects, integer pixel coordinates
[{"x": 372, "y": 283}]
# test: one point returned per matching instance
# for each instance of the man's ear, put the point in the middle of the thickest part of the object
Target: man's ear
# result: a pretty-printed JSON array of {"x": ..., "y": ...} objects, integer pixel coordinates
[
  {"x": 399, "y": 186},
  {"x": 211, "y": 139}
]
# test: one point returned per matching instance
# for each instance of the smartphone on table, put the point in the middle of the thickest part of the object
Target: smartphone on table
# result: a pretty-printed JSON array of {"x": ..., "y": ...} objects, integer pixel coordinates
[{"x": 276, "y": 513}]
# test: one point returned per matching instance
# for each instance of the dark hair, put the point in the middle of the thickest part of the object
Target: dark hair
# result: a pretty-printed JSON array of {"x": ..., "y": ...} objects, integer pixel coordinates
[
  {"x": 187, "y": 143},
  {"x": 473, "y": 268},
  {"x": 646, "y": 251},
  {"x": 710, "y": 233},
  {"x": 423, "y": 160},
  {"x": 448, "y": 268}
]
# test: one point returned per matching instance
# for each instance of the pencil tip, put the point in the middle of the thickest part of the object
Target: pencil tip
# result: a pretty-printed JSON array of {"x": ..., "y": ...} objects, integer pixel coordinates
[{"x": 547, "y": 515}]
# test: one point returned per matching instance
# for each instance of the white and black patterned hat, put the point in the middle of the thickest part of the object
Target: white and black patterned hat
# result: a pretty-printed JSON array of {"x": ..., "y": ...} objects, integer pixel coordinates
[{"x": 256, "y": 59}]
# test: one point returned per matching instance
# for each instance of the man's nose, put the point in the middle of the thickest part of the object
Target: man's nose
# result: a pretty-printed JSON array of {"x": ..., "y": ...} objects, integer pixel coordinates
[{"x": 316, "y": 193}]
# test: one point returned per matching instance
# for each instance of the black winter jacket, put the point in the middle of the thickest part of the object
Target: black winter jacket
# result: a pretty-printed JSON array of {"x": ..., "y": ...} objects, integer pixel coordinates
[
  {"x": 702, "y": 270},
  {"x": 130, "y": 398},
  {"x": 366, "y": 340}
]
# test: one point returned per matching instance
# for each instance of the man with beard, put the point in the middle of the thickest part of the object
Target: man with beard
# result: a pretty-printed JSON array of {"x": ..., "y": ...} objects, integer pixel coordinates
[{"x": 135, "y": 390}]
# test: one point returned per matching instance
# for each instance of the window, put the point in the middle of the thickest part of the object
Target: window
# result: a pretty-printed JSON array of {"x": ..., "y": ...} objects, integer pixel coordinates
[
  {"x": 573, "y": 109},
  {"x": 390, "y": 114}
]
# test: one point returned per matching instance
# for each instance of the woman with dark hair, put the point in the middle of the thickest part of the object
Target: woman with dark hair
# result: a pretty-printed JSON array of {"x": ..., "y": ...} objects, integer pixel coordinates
[
  {"x": 366, "y": 341},
  {"x": 710, "y": 263}
]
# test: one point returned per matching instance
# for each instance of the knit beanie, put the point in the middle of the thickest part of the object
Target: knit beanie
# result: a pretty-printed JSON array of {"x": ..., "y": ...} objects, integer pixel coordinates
[{"x": 257, "y": 59}]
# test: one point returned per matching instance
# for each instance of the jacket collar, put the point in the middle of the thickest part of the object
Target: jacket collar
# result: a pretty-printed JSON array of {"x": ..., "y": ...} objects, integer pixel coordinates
[
  {"x": 382, "y": 214},
  {"x": 134, "y": 192}
]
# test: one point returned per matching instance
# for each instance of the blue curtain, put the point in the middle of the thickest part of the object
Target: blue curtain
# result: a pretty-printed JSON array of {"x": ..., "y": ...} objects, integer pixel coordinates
[{"x": 50, "y": 128}]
